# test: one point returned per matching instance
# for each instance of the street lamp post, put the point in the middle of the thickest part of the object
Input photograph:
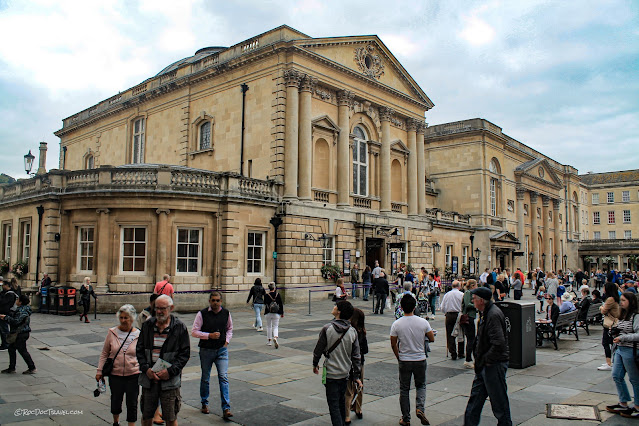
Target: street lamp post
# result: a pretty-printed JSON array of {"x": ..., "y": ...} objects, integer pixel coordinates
[
  {"x": 555, "y": 257},
  {"x": 565, "y": 261},
  {"x": 477, "y": 254},
  {"x": 543, "y": 260}
]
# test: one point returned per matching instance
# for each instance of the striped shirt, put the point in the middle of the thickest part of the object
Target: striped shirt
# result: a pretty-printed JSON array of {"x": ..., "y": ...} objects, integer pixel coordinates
[
  {"x": 625, "y": 326},
  {"x": 159, "y": 337}
]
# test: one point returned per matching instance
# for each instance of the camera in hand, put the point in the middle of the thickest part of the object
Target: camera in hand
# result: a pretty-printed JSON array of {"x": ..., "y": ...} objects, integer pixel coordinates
[{"x": 615, "y": 332}]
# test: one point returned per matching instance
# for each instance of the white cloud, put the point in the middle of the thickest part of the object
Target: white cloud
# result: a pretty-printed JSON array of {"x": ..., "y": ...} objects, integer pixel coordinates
[{"x": 477, "y": 32}]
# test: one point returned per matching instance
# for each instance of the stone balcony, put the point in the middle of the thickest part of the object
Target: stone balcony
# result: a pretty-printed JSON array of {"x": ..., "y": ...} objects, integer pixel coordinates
[
  {"x": 608, "y": 245},
  {"x": 143, "y": 178}
]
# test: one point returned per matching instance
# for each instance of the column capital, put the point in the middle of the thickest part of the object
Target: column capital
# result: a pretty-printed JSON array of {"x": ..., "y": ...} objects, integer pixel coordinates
[
  {"x": 412, "y": 125},
  {"x": 521, "y": 192},
  {"x": 308, "y": 84},
  {"x": 555, "y": 203},
  {"x": 344, "y": 98},
  {"x": 545, "y": 200},
  {"x": 105, "y": 211},
  {"x": 160, "y": 211},
  {"x": 293, "y": 77},
  {"x": 421, "y": 126},
  {"x": 386, "y": 113},
  {"x": 533, "y": 197}
]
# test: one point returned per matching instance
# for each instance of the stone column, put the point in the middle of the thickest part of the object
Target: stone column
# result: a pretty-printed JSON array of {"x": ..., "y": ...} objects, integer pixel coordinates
[
  {"x": 103, "y": 258},
  {"x": 162, "y": 241},
  {"x": 344, "y": 100},
  {"x": 421, "y": 170},
  {"x": 305, "y": 138},
  {"x": 557, "y": 234},
  {"x": 521, "y": 233},
  {"x": 533, "y": 229},
  {"x": 292, "y": 79},
  {"x": 411, "y": 170},
  {"x": 385, "y": 115},
  {"x": 545, "y": 203}
]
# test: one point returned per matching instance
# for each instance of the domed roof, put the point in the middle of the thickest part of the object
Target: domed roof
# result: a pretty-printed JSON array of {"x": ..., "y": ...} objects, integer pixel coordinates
[{"x": 200, "y": 54}]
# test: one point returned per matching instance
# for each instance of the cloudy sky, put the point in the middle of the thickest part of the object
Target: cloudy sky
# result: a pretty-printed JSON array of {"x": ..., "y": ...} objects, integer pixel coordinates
[{"x": 559, "y": 76}]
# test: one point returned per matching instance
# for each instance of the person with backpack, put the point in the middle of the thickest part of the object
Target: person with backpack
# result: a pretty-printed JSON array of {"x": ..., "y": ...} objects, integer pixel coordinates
[
  {"x": 7, "y": 301},
  {"x": 274, "y": 311},
  {"x": 164, "y": 286},
  {"x": 257, "y": 293},
  {"x": 19, "y": 320}
]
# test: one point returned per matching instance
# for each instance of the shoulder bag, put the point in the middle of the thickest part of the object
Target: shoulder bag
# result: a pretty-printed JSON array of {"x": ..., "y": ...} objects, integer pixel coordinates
[
  {"x": 107, "y": 368},
  {"x": 327, "y": 354}
]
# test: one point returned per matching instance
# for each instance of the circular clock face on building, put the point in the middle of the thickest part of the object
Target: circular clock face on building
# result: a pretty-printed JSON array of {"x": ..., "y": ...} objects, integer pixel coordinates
[{"x": 541, "y": 172}]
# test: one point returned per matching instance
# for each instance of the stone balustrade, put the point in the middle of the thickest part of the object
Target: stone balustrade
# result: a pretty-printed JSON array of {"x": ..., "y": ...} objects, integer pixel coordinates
[
  {"x": 320, "y": 196},
  {"x": 362, "y": 203}
]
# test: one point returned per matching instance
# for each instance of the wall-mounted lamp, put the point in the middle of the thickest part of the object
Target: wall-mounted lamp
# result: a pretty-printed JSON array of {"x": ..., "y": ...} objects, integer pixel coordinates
[
  {"x": 28, "y": 162},
  {"x": 396, "y": 233},
  {"x": 436, "y": 246},
  {"x": 309, "y": 236}
]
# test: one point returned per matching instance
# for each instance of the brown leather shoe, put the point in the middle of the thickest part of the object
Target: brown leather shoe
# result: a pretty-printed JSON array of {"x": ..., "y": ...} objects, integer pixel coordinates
[
  {"x": 422, "y": 417},
  {"x": 205, "y": 409},
  {"x": 227, "y": 414}
]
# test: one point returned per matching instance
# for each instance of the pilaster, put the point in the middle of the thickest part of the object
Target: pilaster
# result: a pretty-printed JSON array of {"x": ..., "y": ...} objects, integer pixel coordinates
[
  {"x": 305, "y": 138},
  {"x": 344, "y": 100},
  {"x": 385, "y": 115},
  {"x": 292, "y": 78},
  {"x": 411, "y": 136}
]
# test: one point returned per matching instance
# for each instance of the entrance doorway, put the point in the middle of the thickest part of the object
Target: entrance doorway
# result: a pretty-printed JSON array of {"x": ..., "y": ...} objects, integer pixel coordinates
[{"x": 374, "y": 251}]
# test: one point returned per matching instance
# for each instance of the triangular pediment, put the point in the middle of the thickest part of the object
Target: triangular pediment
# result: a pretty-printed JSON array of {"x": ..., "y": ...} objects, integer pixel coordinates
[
  {"x": 326, "y": 123},
  {"x": 504, "y": 237},
  {"x": 539, "y": 170},
  {"x": 367, "y": 56},
  {"x": 398, "y": 145}
]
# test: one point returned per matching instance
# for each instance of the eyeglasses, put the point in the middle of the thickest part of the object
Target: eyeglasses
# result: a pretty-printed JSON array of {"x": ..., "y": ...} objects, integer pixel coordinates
[
  {"x": 548, "y": 298},
  {"x": 216, "y": 300}
]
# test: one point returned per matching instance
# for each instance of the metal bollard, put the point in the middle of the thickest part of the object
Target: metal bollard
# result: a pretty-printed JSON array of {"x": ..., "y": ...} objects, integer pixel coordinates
[{"x": 309, "y": 302}]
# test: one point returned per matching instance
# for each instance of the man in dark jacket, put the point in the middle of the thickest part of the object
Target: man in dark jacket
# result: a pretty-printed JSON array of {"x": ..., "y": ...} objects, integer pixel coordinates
[
  {"x": 381, "y": 292},
  {"x": 163, "y": 337},
  {"x": 491, "y": 362},
  {"x": 7, "y": 300}
]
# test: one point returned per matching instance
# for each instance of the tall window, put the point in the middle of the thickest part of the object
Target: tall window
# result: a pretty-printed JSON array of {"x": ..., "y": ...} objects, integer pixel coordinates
[
  {"x": 626, "y": 216},
  {"x": 612, "y": 235},
  {"x": 89, "y": 162},
  {"x": 627, "y": 234},
  {"x": 403, "y": 254},
  {"x": 625, "y": 196},
  {"x": 464, "y": 255},
  {"x": 611, "y": 218},
  {"x": 25, "y": 240},
  {"x": 611, "y": 197},
  {"x": 328, "y": 251},
  {"x": 137, "y": 156},
  {"x": 493, "y": 197},
  {"x": 360, "y": 162},
  {"x": 189, "y": 242},
  {"x": 205, "y": 135},
  {"x": 255, "y": 253},
  {"x": 595, "y": 198},
  {"x": 133, "y": 251},
  {"x": 6, "y": 240},
  {"x": 85, "y": 248},
  {"x": 596, "y": 235},
  {"x": 449, "y": 255},
  {"x": 596, "y": 218}
]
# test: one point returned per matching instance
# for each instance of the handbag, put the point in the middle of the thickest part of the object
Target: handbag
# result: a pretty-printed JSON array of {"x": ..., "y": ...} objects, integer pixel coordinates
[
  {"x": 107, "y": 368},
  {"x": 12, "y": 337},
  {"x": 464, "y": 319}
]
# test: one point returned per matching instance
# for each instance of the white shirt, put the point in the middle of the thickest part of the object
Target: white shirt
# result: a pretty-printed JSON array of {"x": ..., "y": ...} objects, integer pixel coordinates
[
  {"x": 411, "y": 334},
  {"x": 338, "y": 292},
  {"x": 483, "y": 277},
  {"x": 376, "y": 272},
  {"x": 452, "y": 301}
]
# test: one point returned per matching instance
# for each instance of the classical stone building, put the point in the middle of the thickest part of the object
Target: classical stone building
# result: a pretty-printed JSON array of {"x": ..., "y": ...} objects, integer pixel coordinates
[{"x": 274, "y": 157}]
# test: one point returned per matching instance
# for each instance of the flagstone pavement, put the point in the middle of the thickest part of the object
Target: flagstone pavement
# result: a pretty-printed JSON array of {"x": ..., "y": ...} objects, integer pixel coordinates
[{"x": 277, "y": 386}]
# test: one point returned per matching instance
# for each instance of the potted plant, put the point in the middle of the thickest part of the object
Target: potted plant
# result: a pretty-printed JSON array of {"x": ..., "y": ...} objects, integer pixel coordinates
[
  {"x": 331, "y": 271},
  {"x": 19, "y": 269}
]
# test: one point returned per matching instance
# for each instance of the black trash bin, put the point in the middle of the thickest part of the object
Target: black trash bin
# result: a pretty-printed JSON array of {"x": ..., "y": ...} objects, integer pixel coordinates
[
  {"x": 66, "y": 300},
  {"x": 44, "y": 302},
  {"x": 520, "y": 323},
  {"x": 52, "y": 300}
]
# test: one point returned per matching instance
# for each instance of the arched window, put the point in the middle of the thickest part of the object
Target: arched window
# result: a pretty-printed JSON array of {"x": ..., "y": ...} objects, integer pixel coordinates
[
  {"x": 495, "y": 197},
  {"x": 89, "y": 162},
  {"x": 493, "y": 167},
  {"x": 360, "y": 162},
  {"x": 205, "y": 135}
]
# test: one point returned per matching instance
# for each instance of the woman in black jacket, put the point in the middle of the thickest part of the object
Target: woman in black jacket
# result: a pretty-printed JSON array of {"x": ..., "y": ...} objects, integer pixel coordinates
[
  {"x": 274, "y": 311},
  {"x": 86, "y": 291},
  {"x": 357, "y": 321},
  {"x": 257, "y": 293}
]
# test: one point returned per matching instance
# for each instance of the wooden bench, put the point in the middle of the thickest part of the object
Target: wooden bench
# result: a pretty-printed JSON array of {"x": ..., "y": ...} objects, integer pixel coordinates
[
  {"x": 566, "y": 323},
  {"x": 591, "y": 315}
]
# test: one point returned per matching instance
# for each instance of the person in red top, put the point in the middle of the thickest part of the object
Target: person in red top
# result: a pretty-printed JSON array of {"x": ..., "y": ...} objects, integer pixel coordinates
[{"x": 164, "y": 287}]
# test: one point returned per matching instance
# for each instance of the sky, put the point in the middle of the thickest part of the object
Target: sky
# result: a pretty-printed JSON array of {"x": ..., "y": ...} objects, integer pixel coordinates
[{"x": 560, "y": 76}]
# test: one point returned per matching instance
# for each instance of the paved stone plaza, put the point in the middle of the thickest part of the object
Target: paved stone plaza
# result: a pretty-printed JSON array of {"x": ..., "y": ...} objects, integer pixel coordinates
[{"x": 270, "y": 386}]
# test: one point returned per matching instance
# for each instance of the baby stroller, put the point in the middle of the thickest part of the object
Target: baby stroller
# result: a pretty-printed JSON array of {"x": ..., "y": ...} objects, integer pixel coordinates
[{"x": 422, "y": 305}]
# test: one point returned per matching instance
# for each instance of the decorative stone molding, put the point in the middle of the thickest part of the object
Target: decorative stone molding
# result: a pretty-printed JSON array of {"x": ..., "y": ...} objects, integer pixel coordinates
[
  {"x": 533, "y": 197},
  {"x": 521, "y": 193},
  {"x": 293, "y": 78},
  {"x": 386, "y": 113},
  {"x": 105, "y": 211},
  {"x": 160, "y": 211},
  {"x": 555, "y": 203},
  {"x": 344, "y": 98},
  {"x": 411, "y": 125},
  {"x": 545, "y": 200},
  {"x": 421, "y": 126},
  {"x": 369, "y": 62},
  {"x": 308, "y": 84},
  {"x": 511, "y": 205},
  {"x": 325, "y": 94}
]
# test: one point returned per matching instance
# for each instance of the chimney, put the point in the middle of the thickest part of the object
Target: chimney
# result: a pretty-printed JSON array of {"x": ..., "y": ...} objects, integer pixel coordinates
[{"x": 43, "y": 159}]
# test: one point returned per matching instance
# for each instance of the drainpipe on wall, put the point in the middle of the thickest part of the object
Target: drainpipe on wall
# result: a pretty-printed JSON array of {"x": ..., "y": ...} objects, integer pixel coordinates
[
  {"x": 244, "y": 90},
  {"x": 276, "y": 221},
  {"x": 40, "y": 210},
  {"x": 64, "y": 157}
]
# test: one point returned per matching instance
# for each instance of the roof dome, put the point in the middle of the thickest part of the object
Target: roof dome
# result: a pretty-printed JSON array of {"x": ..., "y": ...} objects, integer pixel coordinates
[{"x": 200, "y": 54}]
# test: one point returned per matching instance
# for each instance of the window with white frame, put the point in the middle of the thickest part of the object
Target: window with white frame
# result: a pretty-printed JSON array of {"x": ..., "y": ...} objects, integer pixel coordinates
[
  {"x": 464, "y": 255},
  {"x": 449, "y": 255},
  {"x": 25, "y": 240},
  {"x": 89, "y": 162},
  {"x": 612, "y": 235},
  {"x": 86, "y": 244},
  {"x": 595, "y": 198},
  {"x": 626, "y": 216},
  {"x": 625, "y": 196},
  {"x": 6, "y": 242},
  {"x": 611, "y": 218},
  {"x": 611, "y": 197},
  {"x": 596, "y": 235},
  {"x": 596, "y": 218},
  {"x": 189, "y": 251},
  {"x": 493, "y": 197},
  {"x": 133, "y": 249},
  {"x": 328, "y": 251},
  {"x": 403, "y": 254},
  {"x": 360, "y": 162},
  {"x": 205, "y": 135},
  {"x": 255, "y": 252},
  {"x": 137, "y": 154},
  {"x": 627, "y": 234}
]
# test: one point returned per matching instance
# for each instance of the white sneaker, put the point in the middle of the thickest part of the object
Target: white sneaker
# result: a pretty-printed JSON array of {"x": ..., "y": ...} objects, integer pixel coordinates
[
  {"x": 604, "y": 367},
  {"x": 469, "y": 364},
  {"x": 277, "y": 345},
  {"x": 269, "y": 343},
  {"x": 260, "y": 329}
]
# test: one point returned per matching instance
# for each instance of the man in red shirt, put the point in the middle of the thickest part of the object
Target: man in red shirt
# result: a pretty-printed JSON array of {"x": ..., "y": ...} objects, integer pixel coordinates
[{"x": 164, "y": 287}]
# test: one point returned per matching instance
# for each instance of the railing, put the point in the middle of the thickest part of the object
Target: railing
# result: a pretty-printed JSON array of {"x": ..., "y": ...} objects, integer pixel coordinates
[
  {"x": 195, "y": 181},
  {"x": 431, "y": 214},
  {"x": 254, "y": 187},
  {"x": 362, "y": 203},
  {"x": 134, "y": 178},
  {"x": 82, "y": 178},
  {"x": 448, "y": 216},
  {"x": 138, "y": 89},
  {"x": 320, "y": 196},
  {"x": 496, "y": 222},
  {"x": 464, "y": 218},
  {"x": 168, "y": 76},
  {"x": 396, "y": 207}
]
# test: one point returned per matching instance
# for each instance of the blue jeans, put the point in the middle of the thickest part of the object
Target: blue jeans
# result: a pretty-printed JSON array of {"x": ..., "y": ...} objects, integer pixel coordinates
[
  {"x": 624, "y": 363},
  {"x": 221, "y": 359},
  {"x": 489, "y": 382},
  {"x": 258, "y": 308},
  {"x": 336, "y": 399},
  {"x": 367, "y": 289},
  {"x": 416, "y": 369}
]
